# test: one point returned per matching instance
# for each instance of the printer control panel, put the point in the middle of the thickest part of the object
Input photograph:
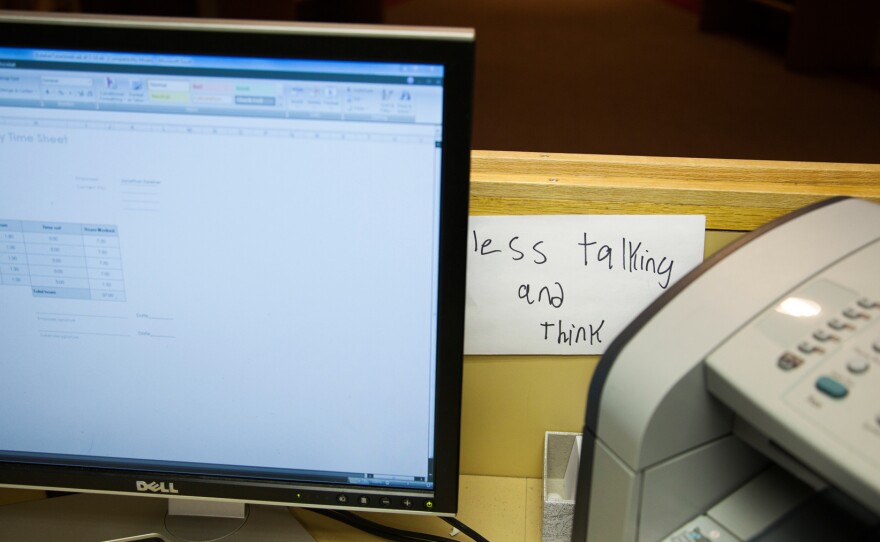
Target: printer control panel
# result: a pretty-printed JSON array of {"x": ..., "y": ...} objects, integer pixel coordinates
[
  {"x": 842, "y": 392},
  {"x": 806, "y": 372}
]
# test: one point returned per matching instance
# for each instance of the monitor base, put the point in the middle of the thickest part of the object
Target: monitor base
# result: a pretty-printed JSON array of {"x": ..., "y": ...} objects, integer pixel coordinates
[{"x": 107, "y": 518}]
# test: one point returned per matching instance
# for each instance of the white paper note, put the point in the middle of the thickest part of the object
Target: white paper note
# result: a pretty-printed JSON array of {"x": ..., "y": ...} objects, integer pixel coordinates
[{"x": 569, "y": 284}]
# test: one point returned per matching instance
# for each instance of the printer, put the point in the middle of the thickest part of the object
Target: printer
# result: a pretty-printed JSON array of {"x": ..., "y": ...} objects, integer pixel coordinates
[{"x": 744, "y": 403}]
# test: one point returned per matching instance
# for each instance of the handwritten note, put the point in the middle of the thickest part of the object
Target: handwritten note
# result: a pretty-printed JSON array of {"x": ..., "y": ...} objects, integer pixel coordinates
[{"x": 568, "y": 284}]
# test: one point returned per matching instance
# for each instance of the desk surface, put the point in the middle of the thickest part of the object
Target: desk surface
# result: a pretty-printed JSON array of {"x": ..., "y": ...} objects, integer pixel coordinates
[{"x": 500, "y": 509}]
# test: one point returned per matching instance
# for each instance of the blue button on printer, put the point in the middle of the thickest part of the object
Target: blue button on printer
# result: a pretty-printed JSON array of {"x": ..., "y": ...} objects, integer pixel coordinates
[{"x": 831, "y": 387}]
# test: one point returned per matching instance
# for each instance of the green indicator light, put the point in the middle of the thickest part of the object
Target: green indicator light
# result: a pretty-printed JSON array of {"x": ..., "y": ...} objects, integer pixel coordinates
[{"x": 429, "y": 504}]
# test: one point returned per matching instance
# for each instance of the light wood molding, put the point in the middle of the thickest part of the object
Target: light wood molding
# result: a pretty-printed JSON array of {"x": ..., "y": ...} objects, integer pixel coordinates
[{"x": 737, "y": 195}]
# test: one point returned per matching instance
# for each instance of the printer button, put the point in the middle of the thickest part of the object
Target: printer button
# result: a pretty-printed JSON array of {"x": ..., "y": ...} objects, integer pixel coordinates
[
  {"x": 855, "y": 314},
  {"x": 789, "y": 361},
  {"x": 839, "y": 325},
  {"x": 808, "y": 348},
  {"x": 857, "y": 365},
  {"x": 868, "y": 303},
  {"x": 823, "y": 335},
  {"x": 831, "y": 387}
]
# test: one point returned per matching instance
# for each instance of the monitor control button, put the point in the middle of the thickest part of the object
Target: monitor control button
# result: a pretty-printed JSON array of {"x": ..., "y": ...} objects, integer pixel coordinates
[
  {"x": 406, "y": 502},
  {"x": 385, "y": 501},
  {"x": 831, "y": 387},
  {"x": 342, "y": 499},
  {"x": 363, "y": 500}
]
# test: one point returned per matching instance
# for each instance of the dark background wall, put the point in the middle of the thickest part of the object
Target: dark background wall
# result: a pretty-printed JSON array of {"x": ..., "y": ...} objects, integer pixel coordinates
[
  {"x": 635, "y": 77},
  {"x": 639, "y": 77}
]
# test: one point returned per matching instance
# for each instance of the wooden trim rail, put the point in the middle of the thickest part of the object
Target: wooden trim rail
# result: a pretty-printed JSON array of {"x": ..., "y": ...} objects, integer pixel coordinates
[{"x": 737, "y": 195}]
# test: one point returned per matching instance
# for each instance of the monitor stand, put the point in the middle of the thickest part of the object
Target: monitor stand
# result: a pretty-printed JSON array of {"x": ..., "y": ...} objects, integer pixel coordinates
[{"x": 105, "y": 518}]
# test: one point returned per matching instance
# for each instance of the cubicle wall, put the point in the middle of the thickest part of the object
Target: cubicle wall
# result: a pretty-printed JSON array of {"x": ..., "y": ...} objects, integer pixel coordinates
[{"x": 509, "y": 401}]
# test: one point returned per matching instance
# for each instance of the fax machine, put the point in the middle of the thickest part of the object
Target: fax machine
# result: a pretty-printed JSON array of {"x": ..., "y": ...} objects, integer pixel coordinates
[{"x": 744, "y": 404}]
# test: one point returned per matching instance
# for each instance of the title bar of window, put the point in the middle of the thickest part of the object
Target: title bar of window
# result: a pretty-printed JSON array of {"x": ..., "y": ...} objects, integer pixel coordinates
[{"x": 221, "y": 63}]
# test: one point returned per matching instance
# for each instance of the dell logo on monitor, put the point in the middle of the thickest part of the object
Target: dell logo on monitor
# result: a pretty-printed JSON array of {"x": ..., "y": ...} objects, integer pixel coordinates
[{"x": 156, "y": 487}]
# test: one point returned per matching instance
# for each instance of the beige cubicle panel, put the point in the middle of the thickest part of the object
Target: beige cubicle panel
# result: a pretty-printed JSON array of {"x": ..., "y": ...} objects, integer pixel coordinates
[{"x": 509, "y": 401}]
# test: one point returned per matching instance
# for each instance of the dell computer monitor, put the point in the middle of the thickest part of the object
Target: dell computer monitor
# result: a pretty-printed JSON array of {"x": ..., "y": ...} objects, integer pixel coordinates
[{"x": 232, "y": 260}]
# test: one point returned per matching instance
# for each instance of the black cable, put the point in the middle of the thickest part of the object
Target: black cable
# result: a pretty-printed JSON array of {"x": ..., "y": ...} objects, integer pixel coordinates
[
  {"x": 465, "y": 529},
  {"x": 386, "y": 531},
  {"x": 347, "y": 521},
  {"x": 376, "y": 529},
  {"x": 394, "y": 534}
]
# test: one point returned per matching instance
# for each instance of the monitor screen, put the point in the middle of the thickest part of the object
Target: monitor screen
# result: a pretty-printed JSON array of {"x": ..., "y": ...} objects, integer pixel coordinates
[{"x": 232, "y": 259}]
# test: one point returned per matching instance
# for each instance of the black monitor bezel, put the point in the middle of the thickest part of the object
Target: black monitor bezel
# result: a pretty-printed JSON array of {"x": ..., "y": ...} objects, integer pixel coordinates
[{"x": 452, "y": 49}]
